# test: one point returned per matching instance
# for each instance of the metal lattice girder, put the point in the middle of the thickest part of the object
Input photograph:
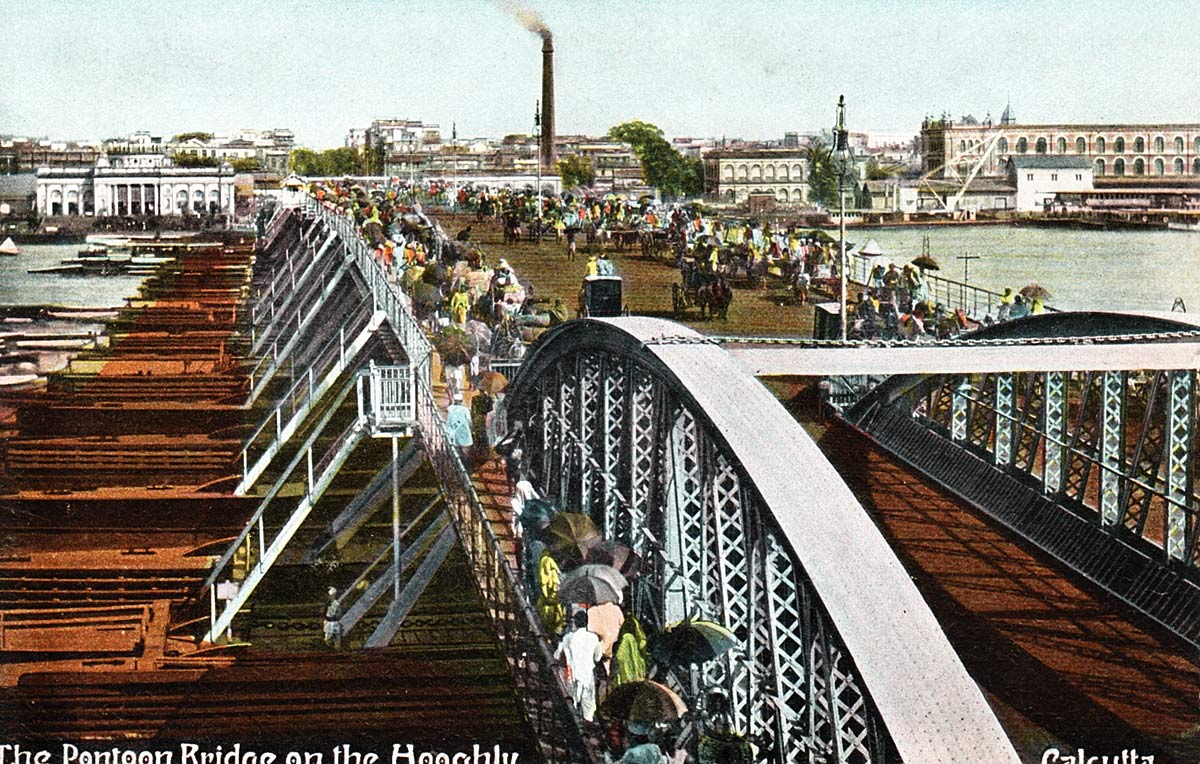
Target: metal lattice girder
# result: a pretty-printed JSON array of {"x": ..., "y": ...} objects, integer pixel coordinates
[
  {"x": 686, "y": 490},
  {"x": 567, "y": 410},
  {"x": 731, "y": 576},
  {"x": 1083, "y": 449},
  {"x": 1002, "y": 449},
  {"x": 1055, "y": 418},
  {"x": 787, "y": 558},
  {"x": 981, "y": 420},
  {"x": 789, "y": 631},
  {"x": 1143, "y": 488},
  {"x": 614, "y": 428},
  {"x": 1029, "y": 425},
  {"x": 1112, "y": 447},
  {"x": 591, "y": 416},
  {"x": 958, "y": 410},
  {"x": 643, "y": 462},
  {"x": 1181, "y": 413}
]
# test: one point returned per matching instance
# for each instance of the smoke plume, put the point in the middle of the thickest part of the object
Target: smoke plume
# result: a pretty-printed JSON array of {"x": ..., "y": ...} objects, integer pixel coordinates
[{"x": 527, "y": 17}]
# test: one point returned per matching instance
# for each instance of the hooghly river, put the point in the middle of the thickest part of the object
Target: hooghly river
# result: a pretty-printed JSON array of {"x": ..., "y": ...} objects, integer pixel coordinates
[
  {"x": 19, "y": 287},
  {"x": 1107, "y": 270}
]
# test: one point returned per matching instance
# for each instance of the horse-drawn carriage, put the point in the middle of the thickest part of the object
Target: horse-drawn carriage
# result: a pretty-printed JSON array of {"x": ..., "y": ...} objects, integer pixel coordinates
[
  {"x": 601, "y": 297},
  {"x": 698, "y": 288}
]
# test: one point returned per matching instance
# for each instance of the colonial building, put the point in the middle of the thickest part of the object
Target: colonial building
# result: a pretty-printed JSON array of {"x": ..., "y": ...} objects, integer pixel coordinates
[
  {"x": 1125, "y": 150},
  {"x": 731, "y": 175},
  {"x": 135, "y": 184}
]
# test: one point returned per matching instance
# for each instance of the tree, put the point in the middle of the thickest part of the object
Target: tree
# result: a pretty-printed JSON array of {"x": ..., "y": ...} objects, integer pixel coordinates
[
  {"x": 576, "y": 170},
  {"x": 192, "y": 160},
  {"x": 305, "y": 161},
  {"x": 662, "y": 166},
  {"x": 183, "y": 137},
  {"x": 247, "y": 164},
  {"x": 823, "y": 169}
]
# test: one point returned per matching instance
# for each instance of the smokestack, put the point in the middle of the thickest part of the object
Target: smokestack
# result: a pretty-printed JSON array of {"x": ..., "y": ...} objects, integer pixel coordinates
[{"x": 548, "y": 154}]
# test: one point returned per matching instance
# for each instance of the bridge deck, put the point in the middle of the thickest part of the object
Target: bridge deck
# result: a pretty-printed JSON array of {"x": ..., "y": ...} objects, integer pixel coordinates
[{"x": 1082, "y": 669}]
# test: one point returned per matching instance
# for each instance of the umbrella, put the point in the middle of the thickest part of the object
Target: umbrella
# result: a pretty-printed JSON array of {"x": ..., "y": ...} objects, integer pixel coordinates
[
  {"x": 1035, "y": 292},
  {"x": 570, "y": 534},
  {"x": 926, "y": 263},
  {"x": 643, "y": 701},
  {"x": 481, "y": 332},
  {"x": 536, "y": 514},
  {"x": 619, "y": 556},
  {"x": 690, "y": 642},
  {"x": 591, "y": 585},
  {"x": 871, "y": 248},
  {"x": 492, "y": 382}
]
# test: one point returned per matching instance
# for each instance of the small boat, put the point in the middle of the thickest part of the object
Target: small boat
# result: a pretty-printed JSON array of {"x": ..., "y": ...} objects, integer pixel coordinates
[
  {"x": 9, "y": 247},
  {"x": 19, "y": 381}
]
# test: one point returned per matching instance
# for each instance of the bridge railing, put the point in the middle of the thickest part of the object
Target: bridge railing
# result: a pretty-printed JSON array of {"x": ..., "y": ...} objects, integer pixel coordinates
[
  {"x": 976, "y": 302},
  {"x": 542, "y": 692}
]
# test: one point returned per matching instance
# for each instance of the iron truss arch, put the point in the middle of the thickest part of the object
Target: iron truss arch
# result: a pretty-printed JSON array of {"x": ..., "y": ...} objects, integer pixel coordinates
[
  {"x": 1095, "y": 467},
  {"x": 677, "y": 451}
]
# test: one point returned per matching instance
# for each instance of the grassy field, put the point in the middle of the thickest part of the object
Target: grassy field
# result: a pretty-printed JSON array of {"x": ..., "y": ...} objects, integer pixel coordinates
[{"x": 647, "y": 284}]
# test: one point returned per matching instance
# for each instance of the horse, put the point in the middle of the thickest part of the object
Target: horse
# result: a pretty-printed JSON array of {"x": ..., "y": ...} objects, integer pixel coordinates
[{"x": 714, "y": 298}]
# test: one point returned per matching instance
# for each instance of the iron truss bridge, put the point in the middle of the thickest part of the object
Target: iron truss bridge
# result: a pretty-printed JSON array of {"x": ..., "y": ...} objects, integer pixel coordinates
[{"x": 1075, "y": 430}]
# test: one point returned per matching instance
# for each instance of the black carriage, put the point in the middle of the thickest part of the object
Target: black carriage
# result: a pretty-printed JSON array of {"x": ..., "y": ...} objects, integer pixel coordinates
[
  {"x": 685, "y": 294},
  {"x": 601, "y": 297}
]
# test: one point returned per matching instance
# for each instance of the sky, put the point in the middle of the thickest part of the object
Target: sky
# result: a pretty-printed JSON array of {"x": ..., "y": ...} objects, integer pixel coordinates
[{"x": 93, "y": 69}]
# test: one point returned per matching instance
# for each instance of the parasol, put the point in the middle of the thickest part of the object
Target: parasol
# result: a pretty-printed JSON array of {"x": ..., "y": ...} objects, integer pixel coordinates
[
  {"x": 492, "y": 382},
  {"x": 1035, "y": 292},
  {"x": 643, "y": 701},
  {"x": 536, "y": 514},
  {"x": 926, "y": 263},
  {"x": 689, "y": 642},
  {"x": 570, "y": 534},
  {"x": 592, "y": 585},
  {"x": 619, "y": 556}
]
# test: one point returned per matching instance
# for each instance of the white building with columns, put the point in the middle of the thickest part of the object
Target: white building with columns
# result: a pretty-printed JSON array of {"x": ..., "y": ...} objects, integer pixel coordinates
[{"x": 135, "y": 185}]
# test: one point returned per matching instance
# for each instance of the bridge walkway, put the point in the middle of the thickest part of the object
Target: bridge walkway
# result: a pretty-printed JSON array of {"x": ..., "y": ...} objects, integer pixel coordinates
[{"x": 1068, "y": 665}]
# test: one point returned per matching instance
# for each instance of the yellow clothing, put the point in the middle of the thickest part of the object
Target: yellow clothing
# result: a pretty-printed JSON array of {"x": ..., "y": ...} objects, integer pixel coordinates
[
  {"x": 460, "y": 304},
  {"x": 593, "y": 269},
  {"x": 549, "y": 607}
]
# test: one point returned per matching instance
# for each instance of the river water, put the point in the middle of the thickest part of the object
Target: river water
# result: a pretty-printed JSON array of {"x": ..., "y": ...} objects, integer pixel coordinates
[
  {"x": 19, "y": 287},
  {"x": 1110, "y": 270}
]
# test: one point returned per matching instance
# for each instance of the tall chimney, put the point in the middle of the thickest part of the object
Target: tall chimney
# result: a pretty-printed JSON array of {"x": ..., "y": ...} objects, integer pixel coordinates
[{"x": 548, "y": 153}]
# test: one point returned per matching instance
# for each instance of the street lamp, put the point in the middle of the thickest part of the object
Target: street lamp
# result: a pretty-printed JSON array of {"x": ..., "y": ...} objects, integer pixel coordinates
[
  {"x": 454, "y": 149},
  {"x": 841, "y": 152}
]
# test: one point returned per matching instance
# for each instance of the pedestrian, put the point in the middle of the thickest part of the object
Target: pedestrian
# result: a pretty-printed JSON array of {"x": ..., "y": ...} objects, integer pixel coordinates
[
  {"x": 571, "y": 251},
  {"x": 333, "y": 623},
  {"x": 581, "y": 649},
  {"x": 629, "y": 658},
  {"x": 549, "y": 606},
  {"x": 1004, "y": 312},
  {"x": 458, "y": 426},
  {"x": 523, "y": 492}
]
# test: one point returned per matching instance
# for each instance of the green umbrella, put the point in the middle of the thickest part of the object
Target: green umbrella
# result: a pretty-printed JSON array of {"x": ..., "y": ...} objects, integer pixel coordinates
[
  {"x": 689, "y": 642},
  {"x": 536, "y": 514}
]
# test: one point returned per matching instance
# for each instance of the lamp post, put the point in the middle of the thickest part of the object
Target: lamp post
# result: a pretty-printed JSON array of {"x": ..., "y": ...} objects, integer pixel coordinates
[
  {"x": 454, "y": 149},
  {"x": 841, "y": 151}
]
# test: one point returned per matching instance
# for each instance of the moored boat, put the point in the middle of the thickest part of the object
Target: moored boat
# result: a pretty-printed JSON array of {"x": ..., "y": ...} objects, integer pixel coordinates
[{"x": 9, "y": 247}]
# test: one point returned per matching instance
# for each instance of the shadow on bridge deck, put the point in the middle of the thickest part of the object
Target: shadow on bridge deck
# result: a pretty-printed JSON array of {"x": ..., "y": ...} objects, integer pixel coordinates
[{"x": 1074, "y": 667}]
